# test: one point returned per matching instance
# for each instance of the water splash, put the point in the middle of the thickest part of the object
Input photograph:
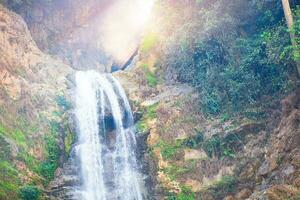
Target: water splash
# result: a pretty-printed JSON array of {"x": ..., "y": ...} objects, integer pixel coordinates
[{"x": 108, "y": 162}]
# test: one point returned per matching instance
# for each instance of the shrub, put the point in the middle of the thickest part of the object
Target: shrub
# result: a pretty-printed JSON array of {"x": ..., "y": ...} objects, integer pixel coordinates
[
  {"x": 151, "y": 79},
  {"x": 150, "y": 76},
  {"x": 214, "y": 146},
  {"x": 29, "y": 193},
  {"x": 48, "y": 167},
  {"x": 168, "y": 151},
  {"x": 148, "y": 42},
  {"x": 224, "y": 186},
  {"x": 186, "y": 194},
  {"x": 63, "y": 103},
  {"x": 234, "y": 61},
  {"x": 194, "y": 142},
  {"x": 149, "y": 113}
]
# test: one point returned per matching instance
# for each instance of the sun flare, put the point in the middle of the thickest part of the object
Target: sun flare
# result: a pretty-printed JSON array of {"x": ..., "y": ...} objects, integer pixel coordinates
[{"x": 123, "y": 26}]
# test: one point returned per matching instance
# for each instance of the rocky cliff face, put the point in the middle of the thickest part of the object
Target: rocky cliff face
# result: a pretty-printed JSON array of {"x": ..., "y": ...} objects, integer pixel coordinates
[
  {"x": 191, "y": 156},
  {"x": 197, "y": 157},
  {"x": 33, "y": 91},
  {"x": 67, "y": 29},
  {"x": 74, "y": 30}
]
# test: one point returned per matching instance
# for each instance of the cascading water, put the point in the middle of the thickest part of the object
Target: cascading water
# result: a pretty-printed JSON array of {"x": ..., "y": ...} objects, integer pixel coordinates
[{"x": 106, "y": 148}]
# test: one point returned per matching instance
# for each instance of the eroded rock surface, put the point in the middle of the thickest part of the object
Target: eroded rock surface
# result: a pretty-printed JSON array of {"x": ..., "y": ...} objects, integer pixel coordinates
[{"x": 33, "y": 86}]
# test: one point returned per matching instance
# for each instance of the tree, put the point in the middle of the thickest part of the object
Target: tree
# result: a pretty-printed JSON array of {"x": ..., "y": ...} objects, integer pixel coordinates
[{"x": 290, "y": 23}]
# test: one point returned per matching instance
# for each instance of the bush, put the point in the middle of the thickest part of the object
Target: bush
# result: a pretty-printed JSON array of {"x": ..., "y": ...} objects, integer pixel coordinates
[
  {"x": 216, "y": 146},
  {"x": 48, "y": 167},
  {"x": 186, "y": 194},
  {"x": 234, "y": 61},
  {"x": 63, "y": 103},
  {"x": 29, "y": 193},
  {"x": 224, "y": 186},
  {"x": 194, "y": 142},
  {"x": 168, "y": 151},
  {"x": 150, "y": 76}
]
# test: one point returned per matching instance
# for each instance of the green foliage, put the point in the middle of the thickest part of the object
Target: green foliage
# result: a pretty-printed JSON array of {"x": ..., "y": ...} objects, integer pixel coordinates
[
  {"x": 9, "y": 175},
  {"x": 19, "y": 138},
  {"x": 148, "y": 42},
  {"x": 9, "y": 180},
  {"x": 5, "y": 150},
  {"x": 68, "y": 140},
  {"x": 150, "y": 76},
  {"x": 31, "y": 162},
  {"x": 220, "y": 147},
  {"x": 63, "y": 103},
  {"x": 142, "y": 126},
  {"x": 168, "y": 151},
  {"x": 173, "y": 171},
  {"x": 186, "y": 194},
  {"x": 151, "y": 79},
  {"x": 234, "y": 61},
  {"x": 194, "y": 142},
  {"x": 149, "y": 113},
  {"x": 215, "y": 146},
  {"x": 226, "y": 185},
  {"x": 29, "y": 193},
  {"x": 48, "y": 167}
]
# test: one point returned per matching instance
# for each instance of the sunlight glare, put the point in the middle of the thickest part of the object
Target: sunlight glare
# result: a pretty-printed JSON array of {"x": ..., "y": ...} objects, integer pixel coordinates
[{"x": 123, "y": 25}]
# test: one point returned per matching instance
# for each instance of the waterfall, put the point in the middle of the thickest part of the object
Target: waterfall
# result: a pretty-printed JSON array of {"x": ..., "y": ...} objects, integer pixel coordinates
[{"x": 106, "y": 140}]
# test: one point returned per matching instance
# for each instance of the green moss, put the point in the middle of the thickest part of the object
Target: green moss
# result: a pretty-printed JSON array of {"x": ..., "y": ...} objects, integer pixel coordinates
[
  {"x": 142, "y": 126},
  {"x": 150, "y": 76},
  {"x": 17, "y": 136},
  {"x": 9, "y": 181},
  {"x": 31, "y": 162},
  {"x": 149, "y": 113},
  {"x": 9, "y": 175},
  {"x": 68, "y": 140},
  {"x": 151, "y": 79},
  {"x": 5, "y": 150},
  {"x": 168, "y": 151},
  {"x": 20, "y": 139},
  {"x": 173, "y": 171},
  {"x": 148, "y": 42},
  {"x": 49, "y": 165},
  {"x": 29, "y": 192}
]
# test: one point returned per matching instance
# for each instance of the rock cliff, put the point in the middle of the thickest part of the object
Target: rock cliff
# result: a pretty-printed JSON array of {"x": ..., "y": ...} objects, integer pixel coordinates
[
  {"x": 197, "y": 157},
  {"x": 33, "y": 91}
]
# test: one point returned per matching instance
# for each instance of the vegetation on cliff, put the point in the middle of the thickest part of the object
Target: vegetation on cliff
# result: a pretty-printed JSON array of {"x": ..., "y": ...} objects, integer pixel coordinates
[
  {"x": 239, "y": 58},
  {"x": 208, "y": 84},
  {"x": 234, "y": 53}
]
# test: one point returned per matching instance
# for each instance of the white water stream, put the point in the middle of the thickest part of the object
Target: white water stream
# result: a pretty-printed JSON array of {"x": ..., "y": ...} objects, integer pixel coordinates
[{"x": 108, "y": 164}]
